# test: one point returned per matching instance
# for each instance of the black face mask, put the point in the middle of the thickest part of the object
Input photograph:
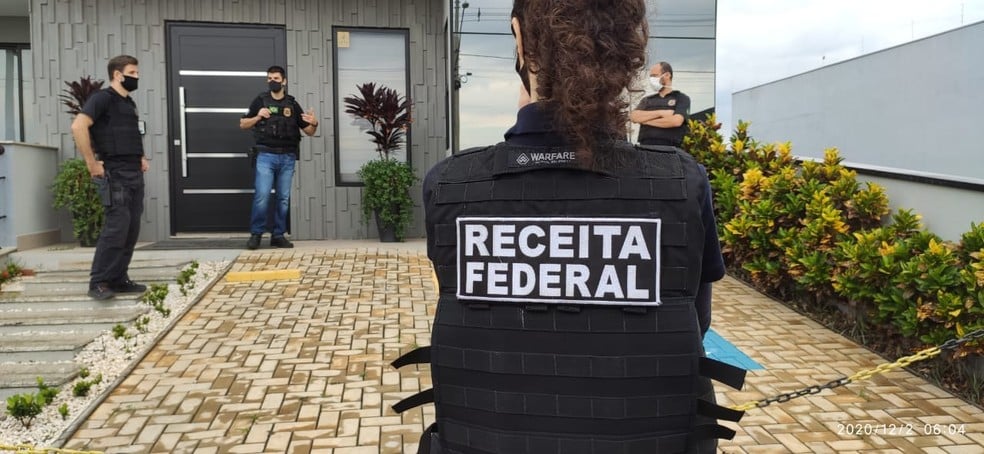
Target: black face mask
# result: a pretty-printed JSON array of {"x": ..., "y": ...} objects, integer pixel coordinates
[
  {"x": 524, "y": 75},
  {"x": 130, "y": 83},
  {"x": 275, "y": 86}
]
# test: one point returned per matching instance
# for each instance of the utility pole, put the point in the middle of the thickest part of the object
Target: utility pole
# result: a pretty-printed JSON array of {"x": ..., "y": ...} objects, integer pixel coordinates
[{"x": 459, "y": 14}]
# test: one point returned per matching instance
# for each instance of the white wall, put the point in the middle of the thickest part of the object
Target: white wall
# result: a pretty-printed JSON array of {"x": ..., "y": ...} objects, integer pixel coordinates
[
  {"x": 26, "y": 173},
  {"x": 916, "y": 106},
  {"x": 947, "y": 212}
]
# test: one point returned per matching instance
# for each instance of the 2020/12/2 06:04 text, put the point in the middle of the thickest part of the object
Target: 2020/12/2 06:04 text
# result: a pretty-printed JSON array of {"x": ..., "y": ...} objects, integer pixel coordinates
[{"x": 901, "y": 429}]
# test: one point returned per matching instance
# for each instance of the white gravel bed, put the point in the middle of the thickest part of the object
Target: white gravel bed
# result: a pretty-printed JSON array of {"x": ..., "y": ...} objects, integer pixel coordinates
[{"x": 108, "y": 356}]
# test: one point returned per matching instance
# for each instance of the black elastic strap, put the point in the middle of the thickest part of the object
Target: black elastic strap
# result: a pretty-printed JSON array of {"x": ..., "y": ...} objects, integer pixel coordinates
[
  {"x": 722, "y": 372},
  {"x": 708, "y": 431},
  {"x": 712, "y": 410},
  {"x": 421, "y": 355},
  {"x": 416, "y": 400}
]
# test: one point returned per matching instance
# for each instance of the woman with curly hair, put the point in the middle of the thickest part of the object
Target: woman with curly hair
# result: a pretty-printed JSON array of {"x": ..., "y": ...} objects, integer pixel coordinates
[{"x": 574, "y": 268}]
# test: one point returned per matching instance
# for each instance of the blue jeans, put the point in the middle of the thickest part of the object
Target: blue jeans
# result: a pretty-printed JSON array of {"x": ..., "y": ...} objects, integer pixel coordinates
[{"x": 273, "y": 171}]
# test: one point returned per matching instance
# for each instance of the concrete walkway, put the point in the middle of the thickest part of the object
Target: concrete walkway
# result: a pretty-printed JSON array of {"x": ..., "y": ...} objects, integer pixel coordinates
[{"x": 302, "y": 366}]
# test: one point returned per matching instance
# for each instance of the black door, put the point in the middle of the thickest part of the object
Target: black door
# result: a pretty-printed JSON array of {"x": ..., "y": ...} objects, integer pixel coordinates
[{"x": 214, "y": 72}]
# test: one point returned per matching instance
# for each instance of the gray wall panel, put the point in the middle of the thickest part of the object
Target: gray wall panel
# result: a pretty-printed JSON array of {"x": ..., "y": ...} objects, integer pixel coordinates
[
  {"x": 73, "y": 38},
  {"x": 911, "y": 107}
]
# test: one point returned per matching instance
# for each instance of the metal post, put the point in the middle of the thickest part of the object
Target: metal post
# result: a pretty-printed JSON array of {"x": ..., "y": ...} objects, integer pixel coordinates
[{"x": 456, "y": 74}]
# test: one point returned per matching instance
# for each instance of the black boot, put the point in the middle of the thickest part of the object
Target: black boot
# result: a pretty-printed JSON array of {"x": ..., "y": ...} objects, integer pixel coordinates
[
  {"x": 281, "y": 242},
  {"x": 254, "y": 241}
]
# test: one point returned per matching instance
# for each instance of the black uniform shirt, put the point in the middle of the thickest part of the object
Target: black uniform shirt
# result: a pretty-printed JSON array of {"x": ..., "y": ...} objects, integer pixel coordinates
[
  {"x": 676, "y": 101},
  {"x": 534, "y": 127},
  {"x": 101, "y": 107}
]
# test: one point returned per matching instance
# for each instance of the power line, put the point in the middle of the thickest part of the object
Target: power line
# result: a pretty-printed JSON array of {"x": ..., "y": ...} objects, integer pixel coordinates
[{"x": 487, "y": 56}]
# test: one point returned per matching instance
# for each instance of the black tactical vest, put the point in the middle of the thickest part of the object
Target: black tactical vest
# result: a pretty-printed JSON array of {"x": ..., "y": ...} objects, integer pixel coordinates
[
  {"x": 566, "y": 319},
  {"x": 280, "y": 130},
  {"x": 118, "y": 134}
]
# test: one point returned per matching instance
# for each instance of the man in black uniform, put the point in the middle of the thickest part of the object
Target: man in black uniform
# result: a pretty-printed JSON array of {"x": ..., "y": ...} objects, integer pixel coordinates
[
  {"x": 570, "y": 264},
  {"x": 275, "y": 118},
  {"x": 663, "y": 115},
  {"x": 108, "y": 126}
]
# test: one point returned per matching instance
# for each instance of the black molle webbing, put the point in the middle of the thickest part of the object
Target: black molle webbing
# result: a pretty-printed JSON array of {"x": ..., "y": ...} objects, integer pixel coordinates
[
  {"x": 416, "y": 400},
  {"x": 722, "y": 372},
  {"x": 447, "y": 277},
  {"x": 474, "y": 439},
  {"x": 712, "y": 410},
  {"x": 545, "y": 190},
  {"x": 669, "y": 318},
  {"x": 566, "y": 406},
  {"x": 420, "y": 355},
  {"x": 445, "y": 235},
  {"x": 564, "y": 365}
]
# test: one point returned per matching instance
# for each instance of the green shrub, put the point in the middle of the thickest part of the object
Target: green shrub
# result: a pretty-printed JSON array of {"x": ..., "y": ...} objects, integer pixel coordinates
[
  {"x": 24, "y": 408},
  {"x": 9, "y": 272},
  {"x": 63, "y": 411},
  {"x": 73, "y": 189},
  {"x": 185, "y": 281},
  {"x": 810, "y": 232},
  {"x": 46, "y": 394},
  {"x": 119, "y": 332},
  {"x": 155, "y": 297},
  {"x": 82, "y": 387}
]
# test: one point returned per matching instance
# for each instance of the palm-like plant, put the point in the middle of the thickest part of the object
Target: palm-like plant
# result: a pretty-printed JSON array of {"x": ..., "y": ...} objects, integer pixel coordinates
[
  {"x": 78, "y": 92},
  {"x": 73, "y": 187},
  {"x": 387, "y": 112}
]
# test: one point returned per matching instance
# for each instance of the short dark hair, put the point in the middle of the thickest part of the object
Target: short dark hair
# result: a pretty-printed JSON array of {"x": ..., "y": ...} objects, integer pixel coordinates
[
  {"x": 119, "y": 62},
  {"x": 277, "y": 69},
  {"x": 666, "y": 68}
]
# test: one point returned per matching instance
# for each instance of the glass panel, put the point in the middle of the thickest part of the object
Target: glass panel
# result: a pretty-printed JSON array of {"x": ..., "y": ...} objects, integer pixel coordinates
[
  {"x": 378, "y": 56},
  {"x": 683, "y": 34},
  {"x": 489, "y": 96},
  {"x": 9, "y": 96},
  {"x": 693, "y": 67},
  {"x": 682, "y": 18},
  {"x": 32, "y": 130}
]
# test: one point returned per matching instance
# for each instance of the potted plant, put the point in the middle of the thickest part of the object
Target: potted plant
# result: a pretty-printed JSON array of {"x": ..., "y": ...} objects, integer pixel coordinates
[
  {"x": 73, "y": 187},
  {"x": 387, "y": 180}
]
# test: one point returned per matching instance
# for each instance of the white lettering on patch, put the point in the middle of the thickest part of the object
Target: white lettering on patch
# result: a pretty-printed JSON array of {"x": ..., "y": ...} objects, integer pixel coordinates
[{"x": 559, "y": 260}]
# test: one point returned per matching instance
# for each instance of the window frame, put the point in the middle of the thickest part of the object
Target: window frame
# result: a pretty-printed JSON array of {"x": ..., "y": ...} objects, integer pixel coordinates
[{"x": 338, "y": 104}]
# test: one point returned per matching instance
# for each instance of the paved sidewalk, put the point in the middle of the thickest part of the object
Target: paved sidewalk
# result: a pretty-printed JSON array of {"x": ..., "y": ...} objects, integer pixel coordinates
[{"x": 302, "y": 366}]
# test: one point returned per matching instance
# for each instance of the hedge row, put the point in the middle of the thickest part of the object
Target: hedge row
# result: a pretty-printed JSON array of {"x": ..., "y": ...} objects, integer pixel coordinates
[{"x": 809, "y": 231}]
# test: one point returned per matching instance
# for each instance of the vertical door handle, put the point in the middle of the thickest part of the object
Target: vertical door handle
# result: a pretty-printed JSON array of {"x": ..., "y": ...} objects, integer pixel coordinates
[{"x": 184, "y": 132}]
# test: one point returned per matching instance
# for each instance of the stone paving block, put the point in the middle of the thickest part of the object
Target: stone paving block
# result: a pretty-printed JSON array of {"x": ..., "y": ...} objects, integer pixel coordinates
[{"x": 303, "y": 366}]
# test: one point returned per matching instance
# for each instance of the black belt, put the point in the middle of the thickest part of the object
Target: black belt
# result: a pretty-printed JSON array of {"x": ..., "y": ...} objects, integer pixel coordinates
[{"x": 273, "y": 150}]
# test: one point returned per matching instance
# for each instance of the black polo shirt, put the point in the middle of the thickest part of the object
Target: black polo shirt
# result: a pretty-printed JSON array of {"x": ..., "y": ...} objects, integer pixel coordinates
[
  {"x": 676, "y": 101},
  {"x": 535, "y": 127}
]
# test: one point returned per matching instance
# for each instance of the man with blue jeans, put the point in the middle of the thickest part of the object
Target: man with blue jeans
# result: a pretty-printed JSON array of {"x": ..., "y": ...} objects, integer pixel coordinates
[{"x": 276, "y": 120}]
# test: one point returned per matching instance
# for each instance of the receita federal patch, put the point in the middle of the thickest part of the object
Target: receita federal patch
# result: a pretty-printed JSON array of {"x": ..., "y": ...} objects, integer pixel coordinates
[{"x": 612, "y": 261}]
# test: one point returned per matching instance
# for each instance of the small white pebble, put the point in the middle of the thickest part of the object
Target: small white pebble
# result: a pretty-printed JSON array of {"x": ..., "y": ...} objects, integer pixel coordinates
[{"x": 107, "y": 356}]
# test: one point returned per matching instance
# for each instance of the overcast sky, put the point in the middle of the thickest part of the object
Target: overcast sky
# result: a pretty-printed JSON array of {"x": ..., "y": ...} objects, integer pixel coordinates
[{"x": 758, "y": 41}]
